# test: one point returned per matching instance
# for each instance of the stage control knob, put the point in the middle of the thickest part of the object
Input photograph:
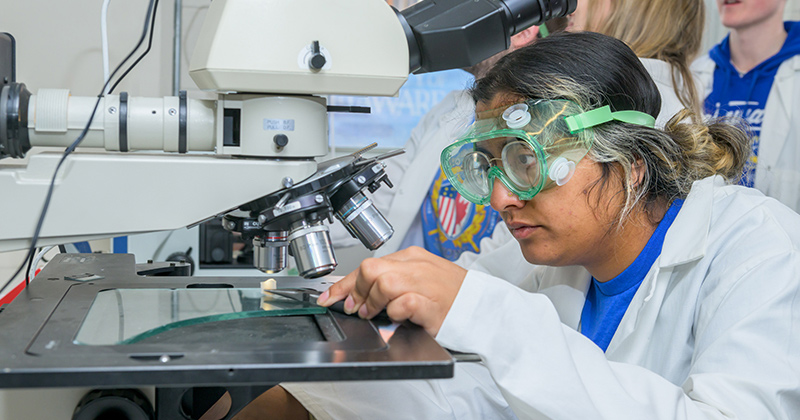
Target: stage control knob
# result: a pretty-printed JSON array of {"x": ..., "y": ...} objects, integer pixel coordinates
[{"x": 116, "y": 404}]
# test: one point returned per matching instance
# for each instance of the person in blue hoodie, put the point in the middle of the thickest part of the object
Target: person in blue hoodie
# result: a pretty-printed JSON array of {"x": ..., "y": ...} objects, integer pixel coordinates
[{"x": 754, "y": 74}]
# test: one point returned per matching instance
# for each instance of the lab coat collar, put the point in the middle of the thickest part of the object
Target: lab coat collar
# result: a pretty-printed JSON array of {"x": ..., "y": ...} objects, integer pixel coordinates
[
  {"x": 687, "y": 238},
  {"x": 779, "y": 124},
  {"x": 785, "y": 82},
  {"x": 686, "y": 241}
]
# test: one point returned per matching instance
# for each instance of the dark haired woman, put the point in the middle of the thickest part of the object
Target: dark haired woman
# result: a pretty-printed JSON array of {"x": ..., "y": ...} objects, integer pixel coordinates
[{"x": 650, "y": 289}]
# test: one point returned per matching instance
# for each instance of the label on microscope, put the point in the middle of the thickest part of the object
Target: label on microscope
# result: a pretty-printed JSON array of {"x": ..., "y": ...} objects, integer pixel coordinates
[{"x": 278, "y": 125}]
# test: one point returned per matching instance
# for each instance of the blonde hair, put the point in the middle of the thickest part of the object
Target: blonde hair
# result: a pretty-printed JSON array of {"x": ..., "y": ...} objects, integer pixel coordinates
[{"x": 667, "y": 30}]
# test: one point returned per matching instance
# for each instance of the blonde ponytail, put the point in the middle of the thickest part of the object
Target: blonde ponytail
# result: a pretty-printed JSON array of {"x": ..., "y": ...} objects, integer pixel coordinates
[{"x": 718, "y": 147}]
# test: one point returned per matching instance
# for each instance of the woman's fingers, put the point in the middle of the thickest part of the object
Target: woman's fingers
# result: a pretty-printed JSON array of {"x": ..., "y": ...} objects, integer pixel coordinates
[
  {"x": 340, "y": 290},
  {"x": 419, "y": 309},
  {"x": 388, "y": 285},
  {"x": 354, "y": 287},
  {"x": 411, "y": 284}
]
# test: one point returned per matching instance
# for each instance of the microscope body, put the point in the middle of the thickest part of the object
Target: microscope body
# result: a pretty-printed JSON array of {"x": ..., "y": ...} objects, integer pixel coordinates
[
  {"x": 173, "y": 162},
  {"x": 153, "y": 164},
  {"x": 250, "y": 154}
]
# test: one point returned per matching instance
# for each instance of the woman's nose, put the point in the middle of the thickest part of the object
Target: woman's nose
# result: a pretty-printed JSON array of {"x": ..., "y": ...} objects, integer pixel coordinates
[{"x": 502, "y": 198}]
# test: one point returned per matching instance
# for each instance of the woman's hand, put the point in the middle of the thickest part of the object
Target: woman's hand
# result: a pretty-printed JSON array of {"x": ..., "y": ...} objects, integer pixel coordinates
[{"x": 411, "y": 284}]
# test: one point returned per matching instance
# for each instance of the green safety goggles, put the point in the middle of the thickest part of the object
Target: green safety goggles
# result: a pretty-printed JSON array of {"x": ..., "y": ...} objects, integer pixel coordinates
[{"x": 528, "y": 146}]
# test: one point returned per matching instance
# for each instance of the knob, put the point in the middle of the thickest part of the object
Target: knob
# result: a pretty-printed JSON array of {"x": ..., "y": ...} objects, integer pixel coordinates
[
  {"x": 281, "y": 140},
  {"x": 317, "y": 60},
  {"x": 122, "y": 404}
]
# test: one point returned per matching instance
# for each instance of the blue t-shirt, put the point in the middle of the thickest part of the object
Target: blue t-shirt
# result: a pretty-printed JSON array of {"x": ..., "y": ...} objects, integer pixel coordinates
[
  {"x": 606, "y": 302},
  {"x": 450, "y": 223},
  {"x": 745, "y": 95}
]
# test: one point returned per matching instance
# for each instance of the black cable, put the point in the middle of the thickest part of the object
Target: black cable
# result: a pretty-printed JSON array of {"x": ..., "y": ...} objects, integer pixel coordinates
[
  {"x": 28, "y": 273},
  {"x": 149, "y": 45},
  {"x": 71, "y": 148}
]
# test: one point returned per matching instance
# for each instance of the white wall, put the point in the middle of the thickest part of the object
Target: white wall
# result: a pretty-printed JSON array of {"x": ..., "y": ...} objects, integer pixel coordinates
[{"x": 58, "y": 44}]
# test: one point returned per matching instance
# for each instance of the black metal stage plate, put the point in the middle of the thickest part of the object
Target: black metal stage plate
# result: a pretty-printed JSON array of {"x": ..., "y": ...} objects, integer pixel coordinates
[{"x": 39, "y": 329}]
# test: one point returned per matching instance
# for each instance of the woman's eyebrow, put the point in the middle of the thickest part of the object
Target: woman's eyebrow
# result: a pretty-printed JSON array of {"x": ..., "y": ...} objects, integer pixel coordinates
[
  {"x": 483, "y": 150},
  {"x": 505, "y": 141}
]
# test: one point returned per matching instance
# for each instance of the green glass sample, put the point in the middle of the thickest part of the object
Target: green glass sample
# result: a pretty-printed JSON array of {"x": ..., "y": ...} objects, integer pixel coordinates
[{"x": 128, "y": 316}]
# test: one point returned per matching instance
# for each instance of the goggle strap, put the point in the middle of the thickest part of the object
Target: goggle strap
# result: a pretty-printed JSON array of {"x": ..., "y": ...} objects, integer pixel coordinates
[
  {"x": 603, "y": 115},
  {"x": 635, "y": 117},
  {"x": 543, "y": 31}
]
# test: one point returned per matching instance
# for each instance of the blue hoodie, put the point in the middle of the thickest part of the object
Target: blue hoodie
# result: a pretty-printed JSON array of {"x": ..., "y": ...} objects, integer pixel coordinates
[{"x": 745, "y": 95}]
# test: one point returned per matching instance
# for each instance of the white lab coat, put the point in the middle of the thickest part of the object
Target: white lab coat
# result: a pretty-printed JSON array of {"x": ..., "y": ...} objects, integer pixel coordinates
[
  {"x": 778, "y": 166},
  {"x": 412, "y": 174},
  {"x": 710, "y": 334},
  {"x": 413, "y": 171}
]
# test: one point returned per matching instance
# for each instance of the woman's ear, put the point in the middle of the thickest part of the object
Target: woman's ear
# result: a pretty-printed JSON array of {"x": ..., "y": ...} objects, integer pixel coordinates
[
  {"x": 637, "y": 173},
  {"x": 524, "y": 38}
]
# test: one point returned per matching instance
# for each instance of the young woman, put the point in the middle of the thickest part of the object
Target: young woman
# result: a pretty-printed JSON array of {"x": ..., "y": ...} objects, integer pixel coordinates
[
  {"x": 665, "y": 34},
  {"x": 649, "y": 288}
]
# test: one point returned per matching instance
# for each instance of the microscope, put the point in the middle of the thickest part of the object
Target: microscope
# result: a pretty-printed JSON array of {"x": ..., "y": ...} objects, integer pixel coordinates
[{"x": 270, "y": 64}]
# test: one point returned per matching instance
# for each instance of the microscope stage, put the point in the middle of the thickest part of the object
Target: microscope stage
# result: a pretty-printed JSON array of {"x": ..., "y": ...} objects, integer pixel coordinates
[{"x": 121, "y": 329}]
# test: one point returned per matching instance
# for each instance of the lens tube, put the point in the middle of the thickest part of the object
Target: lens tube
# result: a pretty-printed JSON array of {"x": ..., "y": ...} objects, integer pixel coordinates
[
  {"x": 270, "y": 252},
  {"x": 312, "y": 249},
  {"x": 364, "y": 221}
]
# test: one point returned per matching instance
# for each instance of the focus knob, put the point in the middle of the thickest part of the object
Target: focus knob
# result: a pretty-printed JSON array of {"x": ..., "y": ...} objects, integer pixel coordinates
[{"x": 117, "y": 404}]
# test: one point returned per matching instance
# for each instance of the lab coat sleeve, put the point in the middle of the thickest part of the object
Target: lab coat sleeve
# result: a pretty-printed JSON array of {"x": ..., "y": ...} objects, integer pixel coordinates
[{"x": 744, "y": 364}]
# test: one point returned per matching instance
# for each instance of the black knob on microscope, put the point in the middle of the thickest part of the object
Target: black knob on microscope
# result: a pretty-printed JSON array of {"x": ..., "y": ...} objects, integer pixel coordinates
[
  {"x": 183, "y": 257},
  {"x": 317, "y": 60},
  {"x": 122, "y": 404},
  {"x": 281, "y": 140}
]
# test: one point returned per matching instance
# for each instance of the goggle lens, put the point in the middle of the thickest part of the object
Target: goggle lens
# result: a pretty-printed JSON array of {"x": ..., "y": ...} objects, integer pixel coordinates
[
  {"x": 521, "y": 164},
  {"x": 476, "y": 174},
  {"x": 515, "y": 143}
]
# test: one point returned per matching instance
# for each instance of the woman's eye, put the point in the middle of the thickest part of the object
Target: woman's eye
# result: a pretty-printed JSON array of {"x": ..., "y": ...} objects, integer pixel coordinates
[{"x": 526, "y": 160}]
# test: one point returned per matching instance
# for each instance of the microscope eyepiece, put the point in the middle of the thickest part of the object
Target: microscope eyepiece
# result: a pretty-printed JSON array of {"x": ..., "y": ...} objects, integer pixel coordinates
[{"x": 449, "y": 34}]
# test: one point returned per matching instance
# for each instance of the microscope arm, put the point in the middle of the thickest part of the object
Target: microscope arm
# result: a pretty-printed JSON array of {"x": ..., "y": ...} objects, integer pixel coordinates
[
  {"x": 99, "y": 195},
  {"x": 101, "y": 191}
]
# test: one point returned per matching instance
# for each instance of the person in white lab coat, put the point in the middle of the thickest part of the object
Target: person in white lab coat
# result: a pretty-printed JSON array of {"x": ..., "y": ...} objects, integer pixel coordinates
[
  {"x": 653, "y": 290},
  {"x": 754, "y": 74}
]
